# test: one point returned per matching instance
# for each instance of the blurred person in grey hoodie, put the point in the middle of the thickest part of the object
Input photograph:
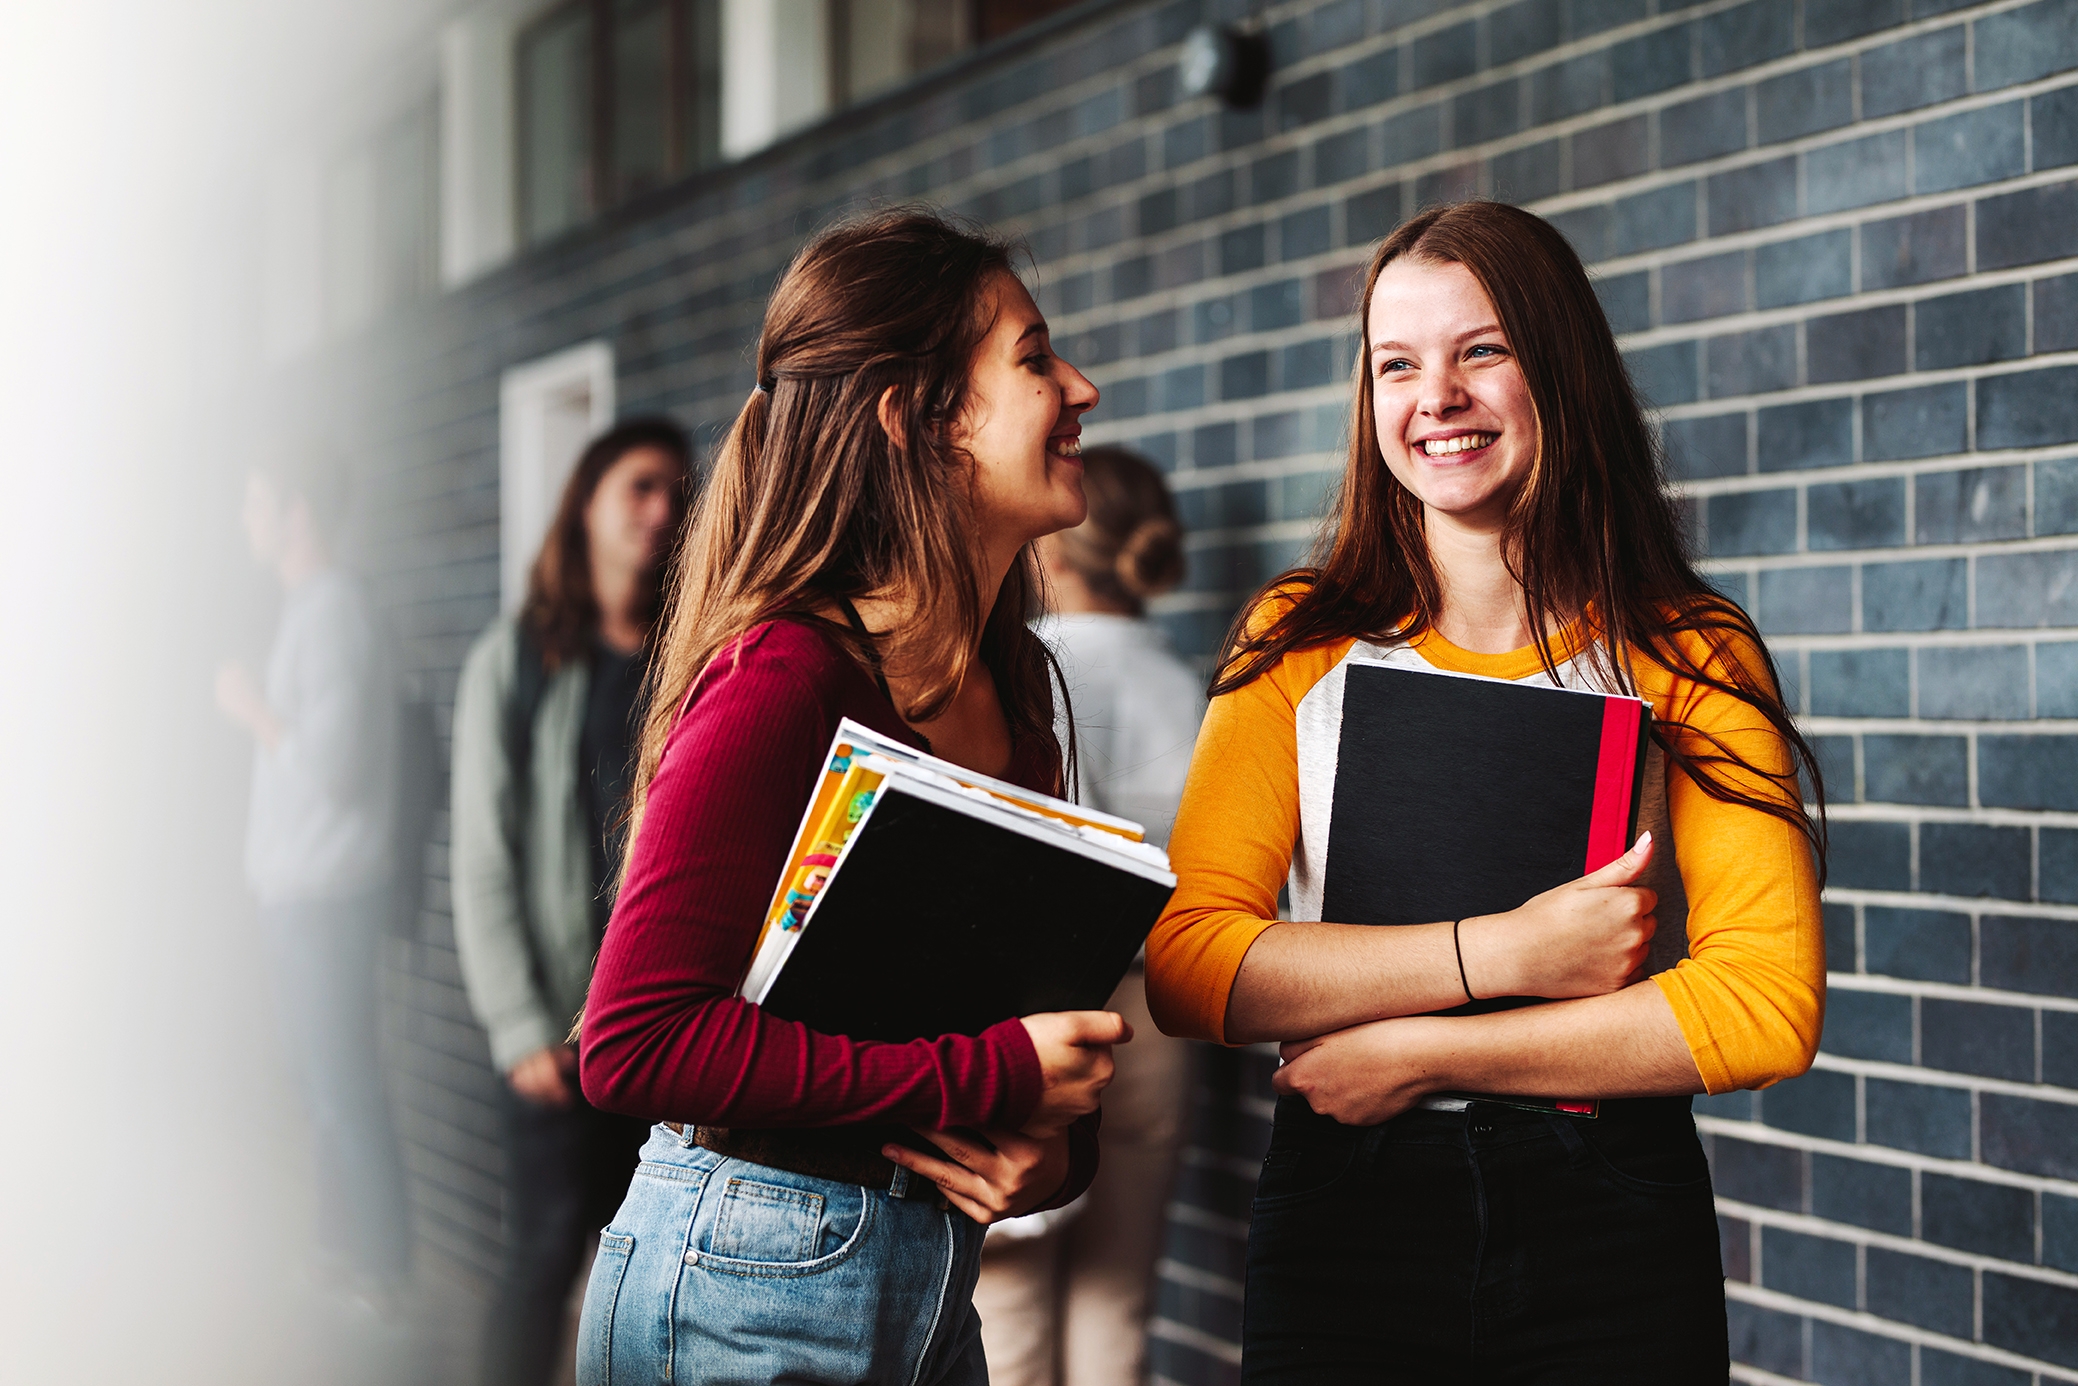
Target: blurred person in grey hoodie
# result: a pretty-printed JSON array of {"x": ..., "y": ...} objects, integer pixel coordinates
[
  {"x": 545, "y": 720},
  {"x": 1064, "y": 1294},
  {"x": 320, "y": 849}
]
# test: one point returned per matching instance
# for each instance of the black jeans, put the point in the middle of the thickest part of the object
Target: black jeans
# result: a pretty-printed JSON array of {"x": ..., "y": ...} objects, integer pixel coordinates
[
  {"x": 566, "y": 1172},
  {"x": 1491, "y": 1245}
]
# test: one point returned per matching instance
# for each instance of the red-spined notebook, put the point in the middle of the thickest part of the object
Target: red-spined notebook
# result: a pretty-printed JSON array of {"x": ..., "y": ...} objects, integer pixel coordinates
[{"x": 1457, "y": 796}]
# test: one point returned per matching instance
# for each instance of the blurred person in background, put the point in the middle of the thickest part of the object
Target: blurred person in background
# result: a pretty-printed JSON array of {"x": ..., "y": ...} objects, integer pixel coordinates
[
  {"x": 545, "y": 720},
  {"x": 1064, "y": 1294},
  {"x": 320, "y": 850}
]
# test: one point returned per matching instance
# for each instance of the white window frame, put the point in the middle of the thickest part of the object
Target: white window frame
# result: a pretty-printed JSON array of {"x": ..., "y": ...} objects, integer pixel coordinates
[{"x": 548, "y": 409}]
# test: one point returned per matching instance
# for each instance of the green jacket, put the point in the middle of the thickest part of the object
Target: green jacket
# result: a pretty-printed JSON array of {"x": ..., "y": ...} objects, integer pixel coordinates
[{"x": 519, "y": 858}]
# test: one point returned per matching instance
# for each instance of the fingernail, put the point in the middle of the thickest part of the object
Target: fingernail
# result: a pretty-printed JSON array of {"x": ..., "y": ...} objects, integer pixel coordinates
[{"x": 1643, "y": 839}]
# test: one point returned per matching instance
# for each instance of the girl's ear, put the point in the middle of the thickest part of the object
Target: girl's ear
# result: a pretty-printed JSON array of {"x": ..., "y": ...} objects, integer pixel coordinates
[{"x": 891, "y": 415}]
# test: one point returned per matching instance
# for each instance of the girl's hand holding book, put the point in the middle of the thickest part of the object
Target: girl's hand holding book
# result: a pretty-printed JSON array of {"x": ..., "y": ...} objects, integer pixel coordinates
[
  {"x": 1075, "y": 1057},
  {"x": 1585, "y": 938},
  {"x": 993, "y": 1175}
]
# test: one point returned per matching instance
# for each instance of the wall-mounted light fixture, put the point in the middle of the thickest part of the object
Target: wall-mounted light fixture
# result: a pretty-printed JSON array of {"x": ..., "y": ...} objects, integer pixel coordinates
[{"x": 1226, "y": 63}]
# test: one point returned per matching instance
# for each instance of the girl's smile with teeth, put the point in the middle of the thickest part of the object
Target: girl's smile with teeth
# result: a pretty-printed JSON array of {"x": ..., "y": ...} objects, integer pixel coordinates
[
  {"x": 1064, "y": 447},
  {"x": 1464, "y": 442}
]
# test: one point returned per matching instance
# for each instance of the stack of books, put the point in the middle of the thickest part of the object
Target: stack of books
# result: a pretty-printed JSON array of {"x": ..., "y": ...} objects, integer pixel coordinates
[{"x": 923, "y": 899}]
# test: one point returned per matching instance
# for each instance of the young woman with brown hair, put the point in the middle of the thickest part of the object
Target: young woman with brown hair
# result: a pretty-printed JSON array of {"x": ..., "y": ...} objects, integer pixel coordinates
[
  {"x": 1503, "y": 514},
  {"x": 862, "y": 550},
  {"x": 545, "y": 717}
]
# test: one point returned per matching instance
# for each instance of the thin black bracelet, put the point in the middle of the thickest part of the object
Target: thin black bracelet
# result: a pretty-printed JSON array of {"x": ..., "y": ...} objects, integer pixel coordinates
[{"x": 1458, "y": 948}]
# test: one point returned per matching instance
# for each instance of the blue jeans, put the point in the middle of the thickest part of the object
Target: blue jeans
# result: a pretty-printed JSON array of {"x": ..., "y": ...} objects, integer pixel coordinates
[{"x": 718, "y": 1272}]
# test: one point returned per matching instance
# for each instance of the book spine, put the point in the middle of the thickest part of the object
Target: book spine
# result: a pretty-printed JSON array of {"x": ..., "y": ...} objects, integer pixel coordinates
[{"x": 1615, "y": 779}]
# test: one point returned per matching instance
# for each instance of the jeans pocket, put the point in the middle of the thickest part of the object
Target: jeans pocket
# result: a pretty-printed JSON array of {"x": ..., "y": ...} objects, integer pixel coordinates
[
  {"x": 1292, "y": 1173},
  {"x": 601, "y": 1298},
  {"x": 776, "y": 1229},
  {"x": 1652, "y": 1159}
]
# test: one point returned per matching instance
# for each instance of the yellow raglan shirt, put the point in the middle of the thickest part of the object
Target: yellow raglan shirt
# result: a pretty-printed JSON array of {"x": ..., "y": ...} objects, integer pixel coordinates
[{"x": 1741, "y": 949}]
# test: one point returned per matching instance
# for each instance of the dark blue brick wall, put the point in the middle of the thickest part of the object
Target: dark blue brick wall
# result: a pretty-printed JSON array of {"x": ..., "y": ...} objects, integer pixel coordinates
[{"x": 1836, "y": 236}]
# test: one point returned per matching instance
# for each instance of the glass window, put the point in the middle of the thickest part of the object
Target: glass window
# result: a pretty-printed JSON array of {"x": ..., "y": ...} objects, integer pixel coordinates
[
  {"x": 700, "y": 83},
  {"x": 555, "y": 101},
  {"x": 995, "y": 18},
  {"x": 641, "y": 95},
  {"x": 878, "y": 44}
]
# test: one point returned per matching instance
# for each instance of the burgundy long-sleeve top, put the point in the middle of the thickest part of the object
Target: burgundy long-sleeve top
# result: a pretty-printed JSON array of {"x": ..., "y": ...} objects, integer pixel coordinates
[{"x": 665, "y": 1034}]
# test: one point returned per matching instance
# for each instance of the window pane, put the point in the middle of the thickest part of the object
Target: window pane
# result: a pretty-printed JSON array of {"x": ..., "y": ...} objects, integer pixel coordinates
[
  {"x": 555, "y": 63},
  {"x": 999, "y": 17},
  {"x": 700, "y": 104},
  {"x": 882, "y": 43},
  {"x": 938, "y": 30},
  {"x": 877, "y": 45},
  {"x": 641, "y": 95}
]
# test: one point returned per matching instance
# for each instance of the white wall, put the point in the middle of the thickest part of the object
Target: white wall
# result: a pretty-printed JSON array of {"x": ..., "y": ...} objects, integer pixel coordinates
[
  {"x": 477, "y": 147},
  {"x": 775, "y": 70},
  {"x": 548, "y": 410}
]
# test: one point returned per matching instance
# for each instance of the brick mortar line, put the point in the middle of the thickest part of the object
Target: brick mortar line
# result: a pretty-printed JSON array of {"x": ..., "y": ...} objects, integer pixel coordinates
[
  {"x": 1754, "y": 1133},
  {"x": 1989, "y": 637},
  {"x": 1949, "y": 991},
  {"x": 1916, "y": 726},
  {"x": 1887, "y": 812},
  {"x": 1742, "y": 483},
  {"x": 1886, "y": 1328},
  {"x": 1942, "y": 1078},
  {"x": 1198, "y": 1338},
  {"x": 1804, "y": 558},
  {"x": 1206, "y": 1221},
  {"x": 1751, "y": 319},
  {"x": 1269, "y": 469},
  {"x": 1171, "y": 1269},
  {"x": 1882, "y": 384},
  {"x": 1199, "y": 540},
  {"x": 1743, "y": 1373},
  {"x": 1214, "y": 352},
  {"x": 1812, "y": 1225}
]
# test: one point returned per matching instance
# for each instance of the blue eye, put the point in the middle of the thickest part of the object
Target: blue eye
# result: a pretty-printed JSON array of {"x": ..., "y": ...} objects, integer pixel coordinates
[{"x": 1483, "y": 347}]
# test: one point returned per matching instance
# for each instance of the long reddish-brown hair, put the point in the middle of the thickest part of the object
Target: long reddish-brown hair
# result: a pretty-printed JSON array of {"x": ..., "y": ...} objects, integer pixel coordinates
[
  {"x": 560, "y": 610},
  {"x": 1592, "y": 532},
  {"x": 811, "y": 499}
]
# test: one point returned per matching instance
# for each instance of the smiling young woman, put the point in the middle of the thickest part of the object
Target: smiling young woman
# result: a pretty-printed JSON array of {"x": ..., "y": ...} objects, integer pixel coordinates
[
  {"x": 1503, "y": 514},
  {"x": 862, "y": 550}
]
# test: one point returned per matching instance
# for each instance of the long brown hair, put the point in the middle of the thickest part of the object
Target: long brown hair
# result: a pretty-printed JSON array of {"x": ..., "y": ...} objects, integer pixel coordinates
[
  {"x": 560, "y": 610},
  {"x": 810, "y": 499},
  {"x": 1591, "y": 533},
  {"x": 1130, "y": 548}
]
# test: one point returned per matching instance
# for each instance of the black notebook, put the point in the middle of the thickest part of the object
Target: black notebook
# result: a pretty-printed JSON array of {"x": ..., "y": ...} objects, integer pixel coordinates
[
  {"x": 1457, "y": 795},
  {"x": 948, "y": 909}
]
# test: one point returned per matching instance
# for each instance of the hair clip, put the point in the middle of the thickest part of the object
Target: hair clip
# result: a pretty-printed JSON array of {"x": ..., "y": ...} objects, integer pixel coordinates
[{"x": 769, "y": 384}]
